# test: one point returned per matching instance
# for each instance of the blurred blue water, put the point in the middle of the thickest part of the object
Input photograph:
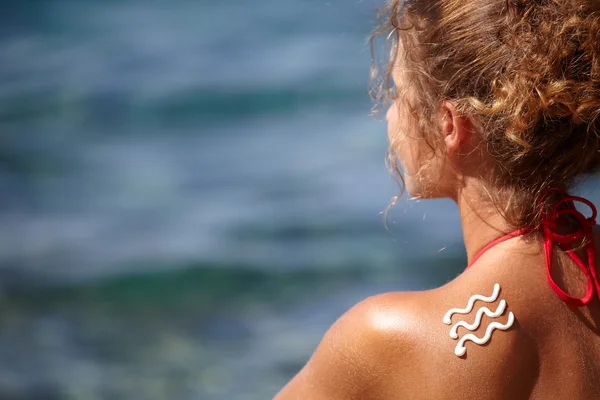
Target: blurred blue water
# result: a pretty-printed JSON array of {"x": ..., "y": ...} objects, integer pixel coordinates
[
  {"x": 151, "y": 134},
  {"x": 191, "y": 194}
]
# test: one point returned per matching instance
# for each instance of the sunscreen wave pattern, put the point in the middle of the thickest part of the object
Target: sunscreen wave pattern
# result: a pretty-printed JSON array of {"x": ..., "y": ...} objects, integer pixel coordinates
[{"x": 460, "y": 349}]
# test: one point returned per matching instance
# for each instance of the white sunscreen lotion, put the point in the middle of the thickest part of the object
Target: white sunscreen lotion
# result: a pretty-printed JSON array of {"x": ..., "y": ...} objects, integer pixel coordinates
[{"x": 460, "y": 349}]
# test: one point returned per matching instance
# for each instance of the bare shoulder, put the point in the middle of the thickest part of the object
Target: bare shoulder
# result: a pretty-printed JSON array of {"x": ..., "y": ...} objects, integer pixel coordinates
[
  {"x": 371, "y": 342},
  {"x": 396, "y": 345}
]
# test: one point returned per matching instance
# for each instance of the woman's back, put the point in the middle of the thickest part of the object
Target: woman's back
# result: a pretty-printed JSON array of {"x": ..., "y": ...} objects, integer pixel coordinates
[{"x": 552, "y": 351}]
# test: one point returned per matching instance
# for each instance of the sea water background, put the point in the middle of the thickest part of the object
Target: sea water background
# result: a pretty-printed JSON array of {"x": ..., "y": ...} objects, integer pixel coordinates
[{"x": 191, "y": 194}]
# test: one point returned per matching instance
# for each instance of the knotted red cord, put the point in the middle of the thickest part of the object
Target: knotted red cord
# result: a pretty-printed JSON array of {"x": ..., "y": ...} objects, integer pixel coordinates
[{"x": 565, "y": 206}]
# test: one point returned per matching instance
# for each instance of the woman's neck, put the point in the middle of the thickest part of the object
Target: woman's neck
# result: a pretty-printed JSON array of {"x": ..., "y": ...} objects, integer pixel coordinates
[{"x": 481, "y": 221}]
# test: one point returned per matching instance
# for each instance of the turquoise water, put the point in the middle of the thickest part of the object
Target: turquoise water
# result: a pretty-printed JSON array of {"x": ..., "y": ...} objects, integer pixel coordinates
[{"x": 191, "y": 195}]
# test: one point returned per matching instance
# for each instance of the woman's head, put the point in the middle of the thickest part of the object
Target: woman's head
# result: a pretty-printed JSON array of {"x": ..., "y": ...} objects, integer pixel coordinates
[{"x": 505, "y": 91}]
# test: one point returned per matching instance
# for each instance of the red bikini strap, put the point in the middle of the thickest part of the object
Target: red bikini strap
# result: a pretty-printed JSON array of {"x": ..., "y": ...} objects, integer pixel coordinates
[
  {"x": 563, "y": 207},
  {"x": 504, "y": 238}
]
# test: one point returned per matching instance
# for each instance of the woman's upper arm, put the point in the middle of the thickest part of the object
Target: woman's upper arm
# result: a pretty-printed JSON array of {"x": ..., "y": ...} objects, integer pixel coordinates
[{"x": 355, "y": 357}]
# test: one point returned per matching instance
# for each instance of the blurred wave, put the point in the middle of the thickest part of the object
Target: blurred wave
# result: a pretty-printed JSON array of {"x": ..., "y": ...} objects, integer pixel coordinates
[
  {"x": 143, "y": 131},
  {"x": 207, "y": 331}
]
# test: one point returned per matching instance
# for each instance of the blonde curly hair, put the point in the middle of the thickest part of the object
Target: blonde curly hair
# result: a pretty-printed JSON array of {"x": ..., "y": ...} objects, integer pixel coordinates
[{"x": 527, "y": 73}]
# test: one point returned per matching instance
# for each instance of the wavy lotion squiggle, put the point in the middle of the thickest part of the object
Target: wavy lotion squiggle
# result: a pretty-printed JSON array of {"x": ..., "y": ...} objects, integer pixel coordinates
[
  {"x": 472, "y": 300},
  {"x": 483, "y": 310},
  {"x": 460, "y": 349}
]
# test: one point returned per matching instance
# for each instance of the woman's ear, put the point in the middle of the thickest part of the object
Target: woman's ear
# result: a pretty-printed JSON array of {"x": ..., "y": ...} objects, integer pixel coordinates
[{"x": 455, "y": 129}]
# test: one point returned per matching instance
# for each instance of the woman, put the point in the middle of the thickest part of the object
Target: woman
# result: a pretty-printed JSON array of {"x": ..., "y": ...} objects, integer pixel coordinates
[{"x": 496, "y": 106}]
